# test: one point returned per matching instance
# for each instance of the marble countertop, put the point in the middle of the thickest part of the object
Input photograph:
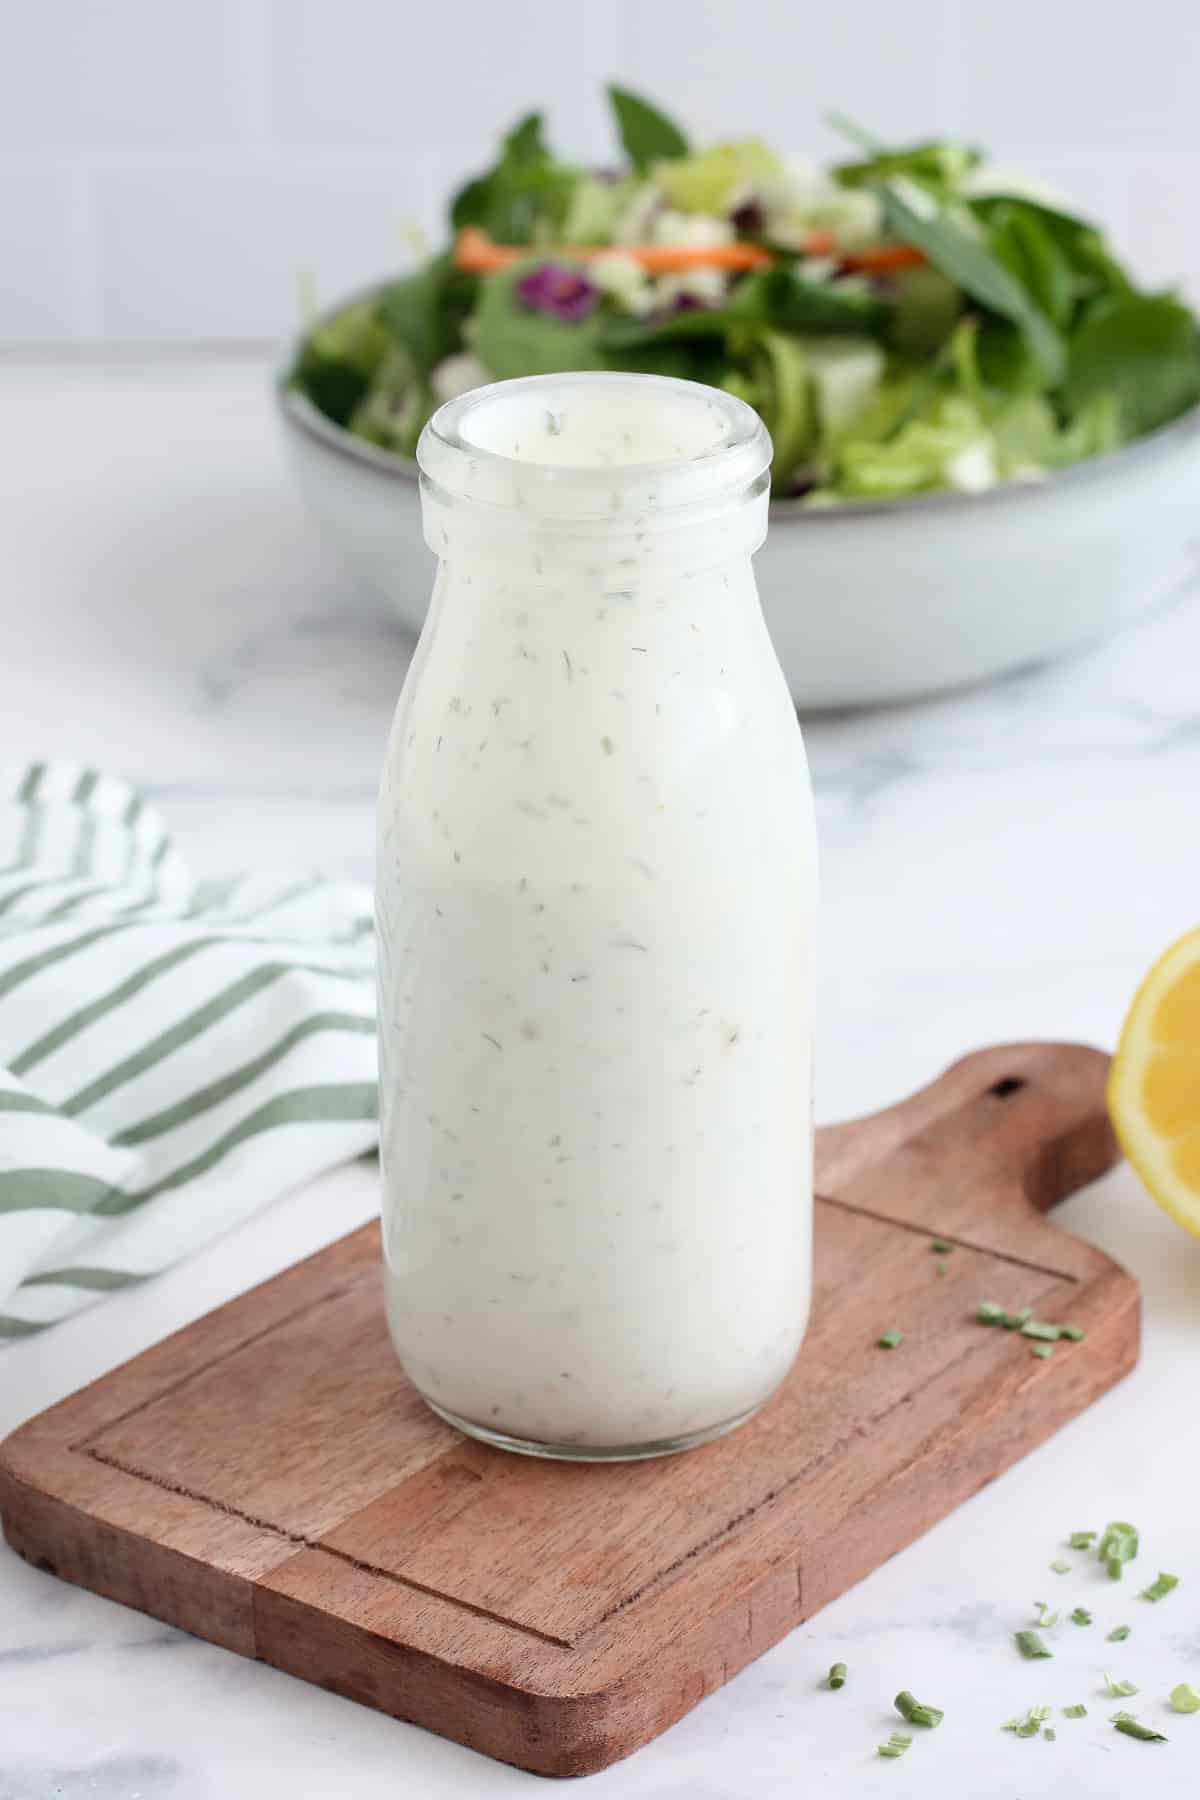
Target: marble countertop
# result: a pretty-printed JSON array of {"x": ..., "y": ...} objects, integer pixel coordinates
[{"x": 1000, "y": 864}]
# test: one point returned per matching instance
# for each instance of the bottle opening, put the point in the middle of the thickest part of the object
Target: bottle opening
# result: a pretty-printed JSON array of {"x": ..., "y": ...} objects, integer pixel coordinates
[{"x": 594, "y": 445}]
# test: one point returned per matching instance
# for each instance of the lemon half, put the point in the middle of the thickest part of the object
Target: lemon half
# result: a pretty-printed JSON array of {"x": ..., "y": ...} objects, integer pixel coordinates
[{"x": 1154, "y": 1084}]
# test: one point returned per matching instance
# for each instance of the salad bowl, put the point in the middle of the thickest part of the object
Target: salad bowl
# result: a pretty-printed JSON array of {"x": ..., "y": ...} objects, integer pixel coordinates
[{"x": 868, "y": 601}]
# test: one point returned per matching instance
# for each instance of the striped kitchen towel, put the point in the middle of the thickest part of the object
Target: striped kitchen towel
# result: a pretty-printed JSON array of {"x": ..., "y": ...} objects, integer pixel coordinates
[{"x": 173, "y": 1053}]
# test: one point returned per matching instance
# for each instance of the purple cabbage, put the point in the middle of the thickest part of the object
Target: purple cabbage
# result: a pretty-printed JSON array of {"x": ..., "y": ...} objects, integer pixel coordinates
[{"x": 564, "y": 293}]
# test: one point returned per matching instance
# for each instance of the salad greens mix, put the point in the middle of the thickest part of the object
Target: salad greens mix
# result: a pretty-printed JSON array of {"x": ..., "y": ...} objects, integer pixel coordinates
[{"x": 904, "y": 321}]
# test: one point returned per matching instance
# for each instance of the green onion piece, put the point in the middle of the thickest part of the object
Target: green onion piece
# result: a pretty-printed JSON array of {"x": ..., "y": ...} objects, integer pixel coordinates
[
  {"x": 1042, "y": 1351},
  {"x": 1074, "y": 1712},
  {"x": 1119, "y": 1633},
  {"x": 1060, "y": 1567},
  {"x": 1135, "y": 1729},
  {"x": 1014, "y": 1321},
  {"x": 1185, "y": 1699},
  {"x": 916, "y": 1712},
  {"x": 1119, "y": 1545},
  {"x": 837, "y": 1675},
  {"x": 939, "y": 1268},
  {"x": 1037, "y": 1328},
  {"x": 1119, "y": 1690},
  {"x": 1045, "y": 1617},
  {"x": 891, "y": 1339},
  {"x": 1049, "y": 1733},
  {"x": 1031, "y": 1724},
  {"x": 1160, "y": 1588},
  {"x": 896, "y": 1745},
  {"x": 990, "y": 1312},
  {"x": 940, "y": 1247},
  {"x": 1081, "y": 1540},
  {"x": 1081, "y": 1616},
  {"x": 1076, "y": 1334},
  {"x": 1030, "y": 1644}
]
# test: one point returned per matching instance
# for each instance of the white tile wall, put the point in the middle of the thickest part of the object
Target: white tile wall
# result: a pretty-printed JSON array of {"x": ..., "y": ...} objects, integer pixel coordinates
[{"x": 167, "y": 167}]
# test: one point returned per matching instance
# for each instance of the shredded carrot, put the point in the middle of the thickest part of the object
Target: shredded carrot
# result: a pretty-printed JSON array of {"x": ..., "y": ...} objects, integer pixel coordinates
[
  {"x": 479, "y": 254},
  {"x": 881, "y": 258}
]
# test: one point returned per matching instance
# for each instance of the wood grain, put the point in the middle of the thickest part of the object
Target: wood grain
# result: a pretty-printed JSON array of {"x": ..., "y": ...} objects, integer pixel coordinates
[{"x": 267, "y": 1478}]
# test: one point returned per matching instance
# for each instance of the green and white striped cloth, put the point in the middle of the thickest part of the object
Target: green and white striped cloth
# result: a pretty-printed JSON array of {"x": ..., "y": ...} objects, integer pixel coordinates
[{"x": 173, "y": 1053}]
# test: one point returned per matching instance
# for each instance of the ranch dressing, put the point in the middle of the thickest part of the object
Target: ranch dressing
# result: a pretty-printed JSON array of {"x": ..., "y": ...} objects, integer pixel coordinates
[{"x": 596, "y": 895}]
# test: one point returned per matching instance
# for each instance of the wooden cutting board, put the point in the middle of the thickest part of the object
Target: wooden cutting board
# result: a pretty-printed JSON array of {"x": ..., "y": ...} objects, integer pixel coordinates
[{"x": 267, "y": 1479}]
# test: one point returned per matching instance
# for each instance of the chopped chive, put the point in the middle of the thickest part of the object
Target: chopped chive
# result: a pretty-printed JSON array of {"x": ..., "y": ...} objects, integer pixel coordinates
[
  {"x": 939, "y": 1268},
  {"x": 1060, "y": 1567},
  {"x": 1037, "y": 1328},
  {"x": 1049, "y": 1733},
  {"x": 1185, "y": 1699},
  {"x": 1081, "y": 1540},
  {"x": 1119, "y": 1690},
  {"x": 891, "y": 1340},
  {"x": 1031, "y": 1724},
  {"x": 837, "y": 1675},
  {"x": 1030, "y": 1644},
  {"x": 1119, "y": 1633},
  {"x": 940, "y": 1246},
  {"x": 1118, "y": 1546},
  {"x": 1045, "y": 1617},
  {"x": 1159, "y": 1588},
  {"x": 1081, "y": 1616},
  {"x": 990, "y": 1312},
  {"x": 1014, "y": 1321},
  {"x": 1074, "y": 1712},
  {"x": 916, "y": 1712},
  {"x": 1076, "y": 1334},
  {"x": 896, "y": 1745},
  {"x": 1042, "y": 1351},
  {"x": 1135, "y": 1729}
]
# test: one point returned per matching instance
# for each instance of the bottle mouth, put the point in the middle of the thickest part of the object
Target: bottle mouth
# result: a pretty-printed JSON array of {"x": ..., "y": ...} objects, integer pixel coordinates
[{"x": 596, "y": 444}]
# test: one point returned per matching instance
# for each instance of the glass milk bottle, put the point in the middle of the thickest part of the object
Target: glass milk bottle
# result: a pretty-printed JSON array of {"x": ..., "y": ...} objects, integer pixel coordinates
[{"x": 596, "y": 896}]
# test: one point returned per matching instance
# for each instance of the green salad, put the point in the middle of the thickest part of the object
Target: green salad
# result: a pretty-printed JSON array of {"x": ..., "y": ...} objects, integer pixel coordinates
[{"x": 904, "y": 321}]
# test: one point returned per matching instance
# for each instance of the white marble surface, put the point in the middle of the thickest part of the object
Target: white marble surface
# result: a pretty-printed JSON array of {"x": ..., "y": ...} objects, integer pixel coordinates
[{"x": 996, "y": 865}]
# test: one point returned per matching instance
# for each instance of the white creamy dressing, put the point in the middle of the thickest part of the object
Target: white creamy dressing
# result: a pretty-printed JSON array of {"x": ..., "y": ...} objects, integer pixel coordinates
[{"x": 596, "y": 896}]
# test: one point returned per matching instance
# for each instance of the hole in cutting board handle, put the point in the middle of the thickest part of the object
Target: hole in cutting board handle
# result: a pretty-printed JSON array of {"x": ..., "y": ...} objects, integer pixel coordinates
[{"x": 1011, "y": 1084}]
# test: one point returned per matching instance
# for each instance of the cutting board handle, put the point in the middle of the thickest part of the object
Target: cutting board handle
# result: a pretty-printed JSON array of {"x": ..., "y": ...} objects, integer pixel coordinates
[{"x": 1017, "y": 1120}]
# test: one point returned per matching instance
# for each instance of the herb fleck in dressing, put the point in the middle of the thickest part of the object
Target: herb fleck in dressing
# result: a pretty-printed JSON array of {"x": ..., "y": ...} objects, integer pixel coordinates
[{"x": 596, "y": 930}]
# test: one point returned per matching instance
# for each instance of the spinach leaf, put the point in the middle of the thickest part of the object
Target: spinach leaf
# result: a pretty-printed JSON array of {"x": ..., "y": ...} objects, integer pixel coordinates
[
  {"x": 1027, "y": 249},
  {"x": 425, "y": 311},
  {"x": 1095, "y": 272},
  {"x": 1143, "y": 350},
  {"x": 927, "y": 308},
  {"x": 511, "y": 338},
  {"x": 969, "y": 263},
  {"x": 527, "y": 186},
  {"x": 338, "y": 358},
  {"x": 647, "y": 135},
  {"x": 937, "y": 164}
]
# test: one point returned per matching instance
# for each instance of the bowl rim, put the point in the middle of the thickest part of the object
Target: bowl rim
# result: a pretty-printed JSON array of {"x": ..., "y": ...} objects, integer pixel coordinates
[{"x": 298, "y": 410}]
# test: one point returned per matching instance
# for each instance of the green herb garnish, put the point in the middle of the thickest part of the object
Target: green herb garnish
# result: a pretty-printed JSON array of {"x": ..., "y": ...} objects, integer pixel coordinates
[
  {"x": 1049, "y": 1733},
  {"x": 940, "y": 1246},
  {"x": 1045, "y": 1617},
  {"x": 1060, "y": 1567},
  {"x": 1013, "y": 1321},
  {"x": 1185, "y": 1699},
  {"x": 1135, "y": 1729},
  {"x": 1118, "y": 1634},
  {"x": 1081, "y": 1616},
  {"x": 1030, "y": 1644},
  {"x": 1119, "y": 1690},
  {"x": 1081, "y": 1540},
  {"x": 990, "y": 1312},
  {"x": 939, "y": 1268},
  {"x": 1037, "y": 1328},
  {"x": 1160, "y": 1587},
  {"x": 1076, "y": 1335},
  {"x": 891, "y": 1340},
  {"x": 916, "y": 1712},
  {"x": 1042, "y": 1351},
  {"x": 837, "y": 1676},
  {"x": 1118, "y": 1546},
  {"x": 896, "y": 1745},
  {"x": 1031, "y": 1724},
  {"x": 1078, "y": 1711}
]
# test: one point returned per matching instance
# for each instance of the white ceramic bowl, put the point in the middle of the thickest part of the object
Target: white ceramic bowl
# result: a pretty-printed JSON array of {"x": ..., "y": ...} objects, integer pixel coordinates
[{"x": 868, "y": 601}]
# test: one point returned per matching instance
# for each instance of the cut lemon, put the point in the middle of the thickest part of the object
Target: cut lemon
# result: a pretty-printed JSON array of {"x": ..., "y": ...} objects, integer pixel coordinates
[{"x": 1154, "y": 1086}]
